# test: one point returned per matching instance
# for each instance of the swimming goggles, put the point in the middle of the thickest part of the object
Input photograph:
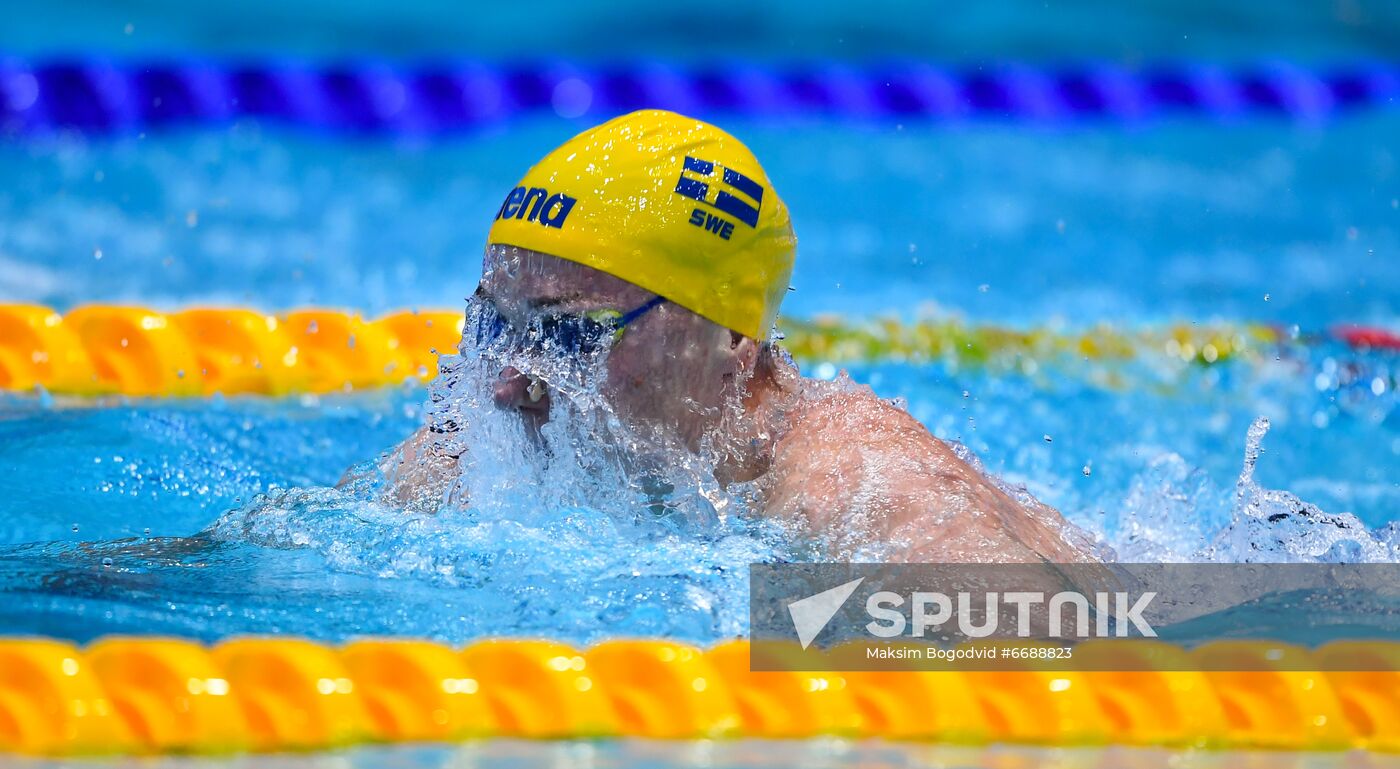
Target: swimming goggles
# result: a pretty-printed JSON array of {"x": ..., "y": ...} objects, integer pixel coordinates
[{"x": 581, "y": 334}]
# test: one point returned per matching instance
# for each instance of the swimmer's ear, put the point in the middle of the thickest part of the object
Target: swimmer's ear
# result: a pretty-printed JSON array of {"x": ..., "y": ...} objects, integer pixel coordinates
[{"x": 745, "y": 350}]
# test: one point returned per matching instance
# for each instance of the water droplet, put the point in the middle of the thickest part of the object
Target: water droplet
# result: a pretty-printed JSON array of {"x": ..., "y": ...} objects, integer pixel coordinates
[
  {"x": 1048, "y": 439},
  {"x": 1088, "y": 471},
  {"x": 75, "y": 528},
  {"x": 984, "y": 288},
  {"x": 97, "y": 254},
  {"x": 107, "y": 562},
  {"x": 1267, "y": 297}
]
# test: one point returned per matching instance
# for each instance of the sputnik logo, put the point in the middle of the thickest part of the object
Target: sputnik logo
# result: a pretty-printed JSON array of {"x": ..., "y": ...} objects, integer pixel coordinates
[{"x": 810, "y": 614}]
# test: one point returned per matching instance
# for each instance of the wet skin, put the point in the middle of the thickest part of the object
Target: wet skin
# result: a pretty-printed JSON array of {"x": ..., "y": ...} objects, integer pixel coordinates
[{"x": 834, "y": 461}]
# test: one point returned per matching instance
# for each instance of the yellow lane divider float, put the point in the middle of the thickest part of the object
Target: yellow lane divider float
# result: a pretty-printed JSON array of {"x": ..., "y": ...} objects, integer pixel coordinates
[
  {"x": 832, "y": 338},
  {"x": 109, "y": 350},
  {"x": 125, "y": 695},
  {"x": 115, "y": 350}
]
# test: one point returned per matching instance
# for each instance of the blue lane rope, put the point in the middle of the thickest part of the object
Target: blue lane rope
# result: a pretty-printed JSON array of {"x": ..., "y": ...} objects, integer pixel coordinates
[{"x": 100, "y": 96}]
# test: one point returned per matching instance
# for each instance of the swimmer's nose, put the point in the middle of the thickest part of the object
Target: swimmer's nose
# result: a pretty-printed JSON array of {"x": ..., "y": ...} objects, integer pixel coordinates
[{"x": 515, "y": 390}]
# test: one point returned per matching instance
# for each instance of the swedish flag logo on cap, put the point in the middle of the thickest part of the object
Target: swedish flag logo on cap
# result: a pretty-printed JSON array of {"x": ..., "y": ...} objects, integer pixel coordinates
[{"x": 734, "y": 194}]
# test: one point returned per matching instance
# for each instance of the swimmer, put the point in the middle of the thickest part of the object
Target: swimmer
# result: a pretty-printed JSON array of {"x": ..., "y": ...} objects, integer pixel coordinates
[{"x": 661, "y": 240}]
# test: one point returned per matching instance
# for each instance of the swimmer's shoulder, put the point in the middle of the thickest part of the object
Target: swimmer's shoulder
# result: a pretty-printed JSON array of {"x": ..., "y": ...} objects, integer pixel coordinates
[
  {"x": 843, "y": 439},
  {"x": 843, "y": 414},
  {"x": 850, "y": 460},
  {"x": 836, "y": 437}
]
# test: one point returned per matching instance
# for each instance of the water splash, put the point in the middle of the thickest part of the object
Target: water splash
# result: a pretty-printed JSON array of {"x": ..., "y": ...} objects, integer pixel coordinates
[
  {"x": 1269, "y": 525},
  {"x": 584, "y": 526},
  {"x": 1163, "y": 514},
  {"x": 586, "y": 455},
  {"x": 1169, "y": 506}
]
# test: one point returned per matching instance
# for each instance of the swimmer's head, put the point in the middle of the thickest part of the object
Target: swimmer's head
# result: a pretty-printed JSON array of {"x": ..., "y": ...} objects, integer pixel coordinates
[{"x": 659, "y": 237}]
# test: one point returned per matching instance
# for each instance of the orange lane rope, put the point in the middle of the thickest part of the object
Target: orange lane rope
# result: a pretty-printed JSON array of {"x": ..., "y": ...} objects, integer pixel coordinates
[{"x": 125, "y": 695}]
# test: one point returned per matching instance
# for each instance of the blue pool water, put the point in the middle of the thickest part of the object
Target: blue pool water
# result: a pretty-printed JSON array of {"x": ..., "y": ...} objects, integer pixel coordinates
[
  {"x": 108, "y": 511},
  {"x": 1066, "y": 29}
]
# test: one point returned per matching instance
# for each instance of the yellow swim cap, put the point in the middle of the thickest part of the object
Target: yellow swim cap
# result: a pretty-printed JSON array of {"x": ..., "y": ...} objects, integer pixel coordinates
[{"x": 665, "y": 202}]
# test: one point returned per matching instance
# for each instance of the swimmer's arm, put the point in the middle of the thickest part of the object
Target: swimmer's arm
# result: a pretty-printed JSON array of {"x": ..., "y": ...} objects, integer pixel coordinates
[{"x": 417, "y": 473}]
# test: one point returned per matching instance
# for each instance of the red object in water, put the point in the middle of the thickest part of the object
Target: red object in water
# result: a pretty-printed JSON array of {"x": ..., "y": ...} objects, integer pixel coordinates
[{"x": 1368, "y": 336}]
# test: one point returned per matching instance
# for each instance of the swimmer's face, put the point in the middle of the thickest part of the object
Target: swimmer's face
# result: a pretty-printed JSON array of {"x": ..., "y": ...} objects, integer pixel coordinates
[{"x": 670, "y": 367}]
